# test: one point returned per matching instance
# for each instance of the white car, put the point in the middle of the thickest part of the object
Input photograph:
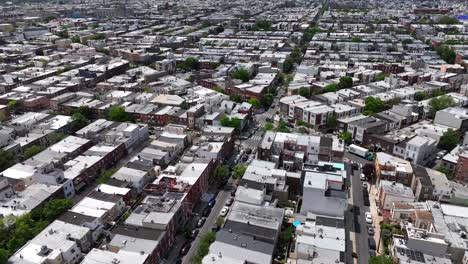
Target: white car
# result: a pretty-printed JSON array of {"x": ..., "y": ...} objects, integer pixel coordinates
[
  {"x": 224, "y": 211},
  {"x": 368, "y": 218},
  {"x": 363, "y": 177}
]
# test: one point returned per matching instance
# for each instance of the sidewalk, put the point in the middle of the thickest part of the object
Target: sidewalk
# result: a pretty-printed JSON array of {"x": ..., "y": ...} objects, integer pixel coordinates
[{"x": 376, "y": 218}]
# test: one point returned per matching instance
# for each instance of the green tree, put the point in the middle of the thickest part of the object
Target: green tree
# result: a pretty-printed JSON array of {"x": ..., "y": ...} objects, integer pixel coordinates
[
  {"x": 448, "y": 20},
  {"x": 239, "y": 171},
  {"x": 333, "y": 87},
  {"x": 262, "y": 25},
  {"x": 421, "y": 95},
  {"x": 440, "y": 103},
  {"x": 332, "y": 121},
  {"x": 221, "y": 173},
  {"x": 219, "y": 221},
  {"x": 7, "y": 159},
  {"x": 382, "y": 259},
  {"x": 380, "y": 77},
  {"x": 10, "y": 28},
  {"x": 437, "y": 93},
  {"x": 254, "y": 102},
  {"x": 84, "y": 111},
  {"x": 230, "y": 122},
  {"x": 241, "y": 74},
  {"x": 76, "y": 39},
  {"x": 79, "y": 121},
  {"x": 310, "y": 33},
  {"x": 267, "y": 100},
  {"x": 346, "y": 137},
  {"x": 444, "y": 170},
  {"x": 373, "y": 105},
  {"x": 268, "y": 126},
  {"x": 304, "y": 91},
  {"x": 32, "y": 151},
  {"x": 106, "y": 175},
  {"x": 446, "y": 53},
  {"x": 236, "y": 98},
  {"x": 288, "y": 64},
  {"x": 449, "y": 139},
  {"x": 282, "y": 127},
  {"x": 345, "y": 82},
  {"x": 407, "y": 41},
  {"x": 12, "y": 105},
  {"x": 117, "y": 113},
  {"x": 185, "y": 105},
  {"x": 189, "y": 63},
  {"x": 3, "y": 256}
]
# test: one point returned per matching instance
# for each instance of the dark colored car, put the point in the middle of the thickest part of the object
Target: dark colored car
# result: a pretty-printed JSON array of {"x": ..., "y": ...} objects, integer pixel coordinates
[
  {"x": 366, "y": 201},
  {"x": 201, "y": 222},
  {"x": 214, "y": 228},
  {"x": 177, "y": 261},
  {"x": 372, "y": 244},
  {"x": 207, "y": 211},
  {"x": 233, "y": 192},
  {"x": 229, "y": 201},
  {"x": 212, "y": 202},
  {"x": 248, "y": 151},
  {"x": 194, "y": 233},
  {"x": 370, "y": 231},
  {"x": 372, "y": 253},
  {"x": 185, "y": 248}
]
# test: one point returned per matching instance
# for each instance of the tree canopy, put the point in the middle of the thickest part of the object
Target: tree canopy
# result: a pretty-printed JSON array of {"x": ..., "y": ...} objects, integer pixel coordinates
[
  {"x": 241, "y": 74},
  {"x": 332, "y": 121},
  {"x": 382, "y": 259},
  {"x": 446, "y": 53},
  {"x": 345, "y": 82},
  {"x": 189, "y": 64},
  {"x": 346, "y": 137},
  {"x": 440, "y": 103},
  {"x": 32, "y": 151},
  {"x": 118, "y": 114},
  {"x": 262, "y": 25},
  {"x": 254, "y": 102},
  {"x": 373, "y": 105},
  {"x": 239, "y": 171},
  {"x": 330, "y": 88},
  {"x": 421, "y": 95},
  {"x": 230, "y": 122},
  {"x": 221, "y": 173},
  {"x": 449, "y": 139},
  {"x": 7, "y": 159},
  {"x": 304, "y": 91},
  {"x": 29, "y": 225}
]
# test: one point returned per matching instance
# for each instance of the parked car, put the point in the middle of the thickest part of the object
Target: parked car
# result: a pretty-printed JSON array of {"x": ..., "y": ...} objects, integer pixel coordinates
[
  {"x": 224, "y": 211},
  {"x": 233, "y": 192},
  {"x": 370, "y": 231},
  {"x": 201, "y": 222},
  {"x": 368, "y": 218},
  {"x": 372, "y": 244},
  {"x": 214, "y": 228},
  {"x": 229, "y": 201},
  {"x": 366, "y": 201},
  {"x": 248, "y": 151},
  {"x": 194, "y": 233},
  {"x": 185, "y": 248},
  {"x": 364, "y": 185},
  {"x": 363, "y": 177},
  {"x": 207, "y": 211},
  {"x": 212, "y": 202},
  {"x": 372, "y": 253}
]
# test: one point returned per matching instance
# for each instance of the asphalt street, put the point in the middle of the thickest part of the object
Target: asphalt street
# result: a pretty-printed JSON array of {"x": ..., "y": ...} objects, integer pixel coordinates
[
  {"x": 358, "y": 226},
  {"x": 210, "y": 220}
]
